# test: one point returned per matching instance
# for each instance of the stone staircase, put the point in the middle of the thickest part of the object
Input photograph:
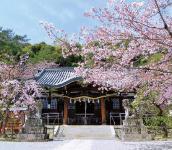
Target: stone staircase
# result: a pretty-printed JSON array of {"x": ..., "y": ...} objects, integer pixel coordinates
[{"x": 67, "y": 132}]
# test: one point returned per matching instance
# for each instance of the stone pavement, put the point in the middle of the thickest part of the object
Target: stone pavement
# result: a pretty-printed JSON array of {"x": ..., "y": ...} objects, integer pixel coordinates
[{"x": 87, "y": 145}]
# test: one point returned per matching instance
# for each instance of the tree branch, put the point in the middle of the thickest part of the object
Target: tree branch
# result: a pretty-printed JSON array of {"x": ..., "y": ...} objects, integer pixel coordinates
[{"x": 166, "y": 27}]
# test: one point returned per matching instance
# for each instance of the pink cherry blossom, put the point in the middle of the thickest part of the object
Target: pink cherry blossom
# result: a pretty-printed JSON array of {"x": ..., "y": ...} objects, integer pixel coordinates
[{"x": 127, "y": 31}]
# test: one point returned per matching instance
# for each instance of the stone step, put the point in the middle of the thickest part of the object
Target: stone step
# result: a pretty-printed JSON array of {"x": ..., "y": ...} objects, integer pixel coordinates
[
  {"x": 86, "y": 132},
  {"x": 32, "y": 137}
]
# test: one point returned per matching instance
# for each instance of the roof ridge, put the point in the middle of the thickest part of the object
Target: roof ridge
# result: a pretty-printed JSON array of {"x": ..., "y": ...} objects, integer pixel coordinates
[
  {"x": 57, "y": 77},
  {"x": 60, "y": 68}
]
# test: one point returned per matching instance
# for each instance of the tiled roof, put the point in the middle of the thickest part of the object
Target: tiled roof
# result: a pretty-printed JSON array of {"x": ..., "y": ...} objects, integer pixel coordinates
[{"x": 58, "y": 77}]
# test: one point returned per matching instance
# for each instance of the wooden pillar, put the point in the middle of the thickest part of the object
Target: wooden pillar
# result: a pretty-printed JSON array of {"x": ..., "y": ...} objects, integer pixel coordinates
[
  {"x": 103, "y": 110},
  {"x": 65, "y": 112}
]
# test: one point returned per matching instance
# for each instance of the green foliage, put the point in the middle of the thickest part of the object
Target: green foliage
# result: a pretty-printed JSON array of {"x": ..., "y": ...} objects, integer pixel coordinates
[
  {"x": 90, "y": 60},
  {"x": 142, "y": 60},
  {"x": 145, "y": 102},
  {"x": 11, "y": 45},
  {"x": 154, "y": 116},
  {"x": 43, "y": 52},
  {"x": 123, "y": 43},
  {"x": 158, "y": 121},
  {"x": 70, "y": 61},
  {"x": 110, "y": 59}
]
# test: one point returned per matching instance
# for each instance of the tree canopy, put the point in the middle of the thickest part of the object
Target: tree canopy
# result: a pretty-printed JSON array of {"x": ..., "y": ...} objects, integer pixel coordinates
[
  {"x": 11, "y": 44},
  {"x": 128, "y": 49}
]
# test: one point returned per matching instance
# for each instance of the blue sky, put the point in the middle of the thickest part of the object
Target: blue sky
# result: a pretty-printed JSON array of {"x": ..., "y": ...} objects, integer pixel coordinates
[{"x": 23, "y": 16}]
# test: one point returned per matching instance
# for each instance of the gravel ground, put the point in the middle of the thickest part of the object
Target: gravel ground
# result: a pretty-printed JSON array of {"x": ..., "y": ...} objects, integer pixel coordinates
[{"x": 87, "y": 145}]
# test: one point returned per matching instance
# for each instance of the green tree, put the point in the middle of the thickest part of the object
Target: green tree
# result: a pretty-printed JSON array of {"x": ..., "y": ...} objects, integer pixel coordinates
[
  {"x": 11, "y": 45},
  {"x": 43, "y": 52}
]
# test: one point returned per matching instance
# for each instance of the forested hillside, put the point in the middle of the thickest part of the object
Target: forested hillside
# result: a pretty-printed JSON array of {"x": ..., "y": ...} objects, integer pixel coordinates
[{"x": 12, "y": 46}]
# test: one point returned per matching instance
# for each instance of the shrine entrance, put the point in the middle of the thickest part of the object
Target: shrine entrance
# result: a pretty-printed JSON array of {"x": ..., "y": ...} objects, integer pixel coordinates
[
  {"x": 84, "y": 113},
  {"x": 84, "y": 107}
]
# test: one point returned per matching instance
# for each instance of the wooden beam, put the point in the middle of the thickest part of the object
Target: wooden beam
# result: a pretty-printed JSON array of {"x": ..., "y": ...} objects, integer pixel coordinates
[
  {"x": 103, "y": 110},
  {"x": 65, "y": 112}
]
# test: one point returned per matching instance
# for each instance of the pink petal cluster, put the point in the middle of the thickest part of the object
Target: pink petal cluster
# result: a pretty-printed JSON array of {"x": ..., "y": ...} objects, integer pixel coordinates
[
  {"x": 14, "y": 93},
  {"x": 126, "y": 32},
  {"x": 15, "y": 88}
]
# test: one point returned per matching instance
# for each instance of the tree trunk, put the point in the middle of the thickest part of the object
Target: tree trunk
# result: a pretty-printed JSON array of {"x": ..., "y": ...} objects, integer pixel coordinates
[
  {"x": 4, "y": 123},
  {"x": 5, "y": 118},
  {"x": 163, "y": 125},
  {"x": 165, "y": 130}
]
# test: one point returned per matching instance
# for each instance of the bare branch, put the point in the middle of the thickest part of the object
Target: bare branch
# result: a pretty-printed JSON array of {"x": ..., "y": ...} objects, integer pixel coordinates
[{"x": 166, "y": 27}]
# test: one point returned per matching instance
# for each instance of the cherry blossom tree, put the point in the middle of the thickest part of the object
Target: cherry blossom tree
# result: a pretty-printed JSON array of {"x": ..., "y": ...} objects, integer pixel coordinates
[
  {"x": 128, "y": 33},
  {"x": 15, "y": 90}
]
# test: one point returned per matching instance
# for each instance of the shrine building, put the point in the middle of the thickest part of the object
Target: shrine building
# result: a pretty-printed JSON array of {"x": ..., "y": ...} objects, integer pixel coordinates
[{"x": 66, "y": 100}]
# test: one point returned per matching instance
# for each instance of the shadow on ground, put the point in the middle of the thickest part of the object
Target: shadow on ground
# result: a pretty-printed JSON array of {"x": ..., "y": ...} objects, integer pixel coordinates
[{"x": 151, "y": 146}]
